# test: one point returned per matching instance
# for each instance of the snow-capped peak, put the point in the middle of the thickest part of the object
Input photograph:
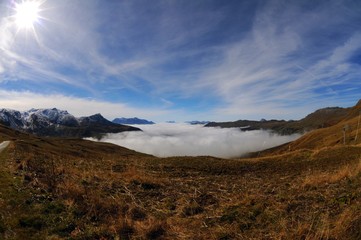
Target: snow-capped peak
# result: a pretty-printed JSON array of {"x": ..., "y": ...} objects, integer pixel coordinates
[{"x": 35, "y": 118}]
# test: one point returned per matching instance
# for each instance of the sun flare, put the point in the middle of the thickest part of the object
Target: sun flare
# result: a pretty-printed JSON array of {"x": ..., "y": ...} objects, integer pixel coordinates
[{"x": 27, "y": 14}]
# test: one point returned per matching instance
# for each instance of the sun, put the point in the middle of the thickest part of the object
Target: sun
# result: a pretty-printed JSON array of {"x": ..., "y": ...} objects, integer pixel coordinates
[{"x": 27, "y": 14}]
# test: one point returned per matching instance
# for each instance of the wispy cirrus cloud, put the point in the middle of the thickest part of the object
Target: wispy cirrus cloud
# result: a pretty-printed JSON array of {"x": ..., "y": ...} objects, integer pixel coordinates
[
  {"x": 287, "y": 61},
  {"x": 224, "y": 60}
]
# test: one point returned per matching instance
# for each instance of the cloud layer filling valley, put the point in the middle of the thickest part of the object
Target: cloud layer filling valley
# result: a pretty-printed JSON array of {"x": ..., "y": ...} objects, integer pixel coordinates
[{"x": 165, "y": 140}]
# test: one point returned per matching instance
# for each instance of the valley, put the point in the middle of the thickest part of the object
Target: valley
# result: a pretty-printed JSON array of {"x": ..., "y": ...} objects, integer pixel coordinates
[
  {"x": 180, "y": 120},
  {"x": 54, "y": 188}
]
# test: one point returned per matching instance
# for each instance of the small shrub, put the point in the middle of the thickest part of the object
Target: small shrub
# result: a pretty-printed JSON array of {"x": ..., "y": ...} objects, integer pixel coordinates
[
  {"x": 230, "y": 215},
  {"x": 138, "y": 214},
  {"x": 36, "y": 222},
  {"x": 27, "y": 178},
  {"x": 126, "y": 231},
  {"x": 353, "y": 231},
  {"x": 149, "y": 185},
  {"x": 54, "y": 208},
  {"x": 171, "y": 204},
  {"x": 2, "y": 227},
  {"x": 65, "y": 229},
  {"x": 155, "y": 232},
  {"x": 206, "y": 200},
  {"x": 224, "y": 236},
  {"x": 118, "y": 168},
  {"x": 192, "y": 209}
]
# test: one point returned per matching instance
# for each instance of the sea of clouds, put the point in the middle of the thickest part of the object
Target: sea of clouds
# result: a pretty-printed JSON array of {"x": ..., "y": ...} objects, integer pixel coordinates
[{"x": 176, "y": 139}]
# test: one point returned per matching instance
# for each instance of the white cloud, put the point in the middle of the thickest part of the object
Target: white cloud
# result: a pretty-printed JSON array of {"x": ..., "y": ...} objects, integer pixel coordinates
[
  {"x": 165, "y": 140},
  {"x": 77, "y": 106},
  {"x": 285, "y": 63},
  {"x": 270, "y": 61}
]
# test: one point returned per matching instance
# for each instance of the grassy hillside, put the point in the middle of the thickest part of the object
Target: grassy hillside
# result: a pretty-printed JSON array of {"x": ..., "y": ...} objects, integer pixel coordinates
[
  {"x": 75, "y": 189},
  {"x": 319, "y": 119},
  {"x": 342, "y": 133}
]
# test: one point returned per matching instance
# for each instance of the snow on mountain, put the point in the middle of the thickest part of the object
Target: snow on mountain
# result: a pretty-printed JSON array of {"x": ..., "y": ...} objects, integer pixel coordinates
[
  {"x": 35, "y": 118},
  {"x": 52, "y": 115},
  {"x": 55, "y": 122},
  {"x": 11, "y": 118}
]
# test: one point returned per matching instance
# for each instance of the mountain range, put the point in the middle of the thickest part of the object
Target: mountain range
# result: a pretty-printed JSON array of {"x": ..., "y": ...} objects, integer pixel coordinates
[
  {"x": 321, "y": 118},
  {"x": 134, "y": 120},
  {"x": 196, "y": 122},
  {"x": 59, "y": 123}
]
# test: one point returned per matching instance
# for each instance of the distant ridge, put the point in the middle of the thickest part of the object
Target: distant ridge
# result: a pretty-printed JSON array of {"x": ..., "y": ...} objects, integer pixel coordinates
[
  {"x": 197, "y": 122},
  {"x": 59, "y": 123},
  {"x": 134, "y": 120},
  {"x": 321, "y": 118},
  {"x": 345, "y": 132}
]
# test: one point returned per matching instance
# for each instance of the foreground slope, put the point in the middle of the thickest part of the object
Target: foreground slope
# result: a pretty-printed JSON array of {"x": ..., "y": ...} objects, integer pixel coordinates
[{"x": 75, "y": 189}]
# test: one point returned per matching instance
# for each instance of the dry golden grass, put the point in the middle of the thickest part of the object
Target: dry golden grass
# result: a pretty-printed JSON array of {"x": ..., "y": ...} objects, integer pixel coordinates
[
  {"x": 107, "y": 192},
  {"x": 348, "y": 224},
  {"x": 345, "y": 132},
  {"x": 137, "y": 175},
  {"x": 321, "y": 178}
]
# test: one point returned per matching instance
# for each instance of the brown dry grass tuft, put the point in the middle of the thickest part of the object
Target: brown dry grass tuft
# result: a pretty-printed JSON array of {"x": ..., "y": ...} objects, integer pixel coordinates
[
  {"x": 348, "y": 224},
  {"x": 321, "y": 178},
  {"x": 137, "y": 175},
  {"x": 152, "y": 228}
]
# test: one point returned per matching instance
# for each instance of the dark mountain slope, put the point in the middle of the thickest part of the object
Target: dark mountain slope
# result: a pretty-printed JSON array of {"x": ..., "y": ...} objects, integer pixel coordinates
[
  {"x": 59, "y": 123},
  {"x": 321, "y": 118},
  {"x": 346, "y": 132},
  {"x": 132, "y": 121}
]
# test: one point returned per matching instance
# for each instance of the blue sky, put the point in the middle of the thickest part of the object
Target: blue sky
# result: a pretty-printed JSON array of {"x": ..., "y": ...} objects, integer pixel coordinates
[{"x": 183, "y": 60}]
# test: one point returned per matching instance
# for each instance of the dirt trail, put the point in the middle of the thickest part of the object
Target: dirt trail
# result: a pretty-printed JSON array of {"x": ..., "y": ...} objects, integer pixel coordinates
[{"x": 3, "y": 145}]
